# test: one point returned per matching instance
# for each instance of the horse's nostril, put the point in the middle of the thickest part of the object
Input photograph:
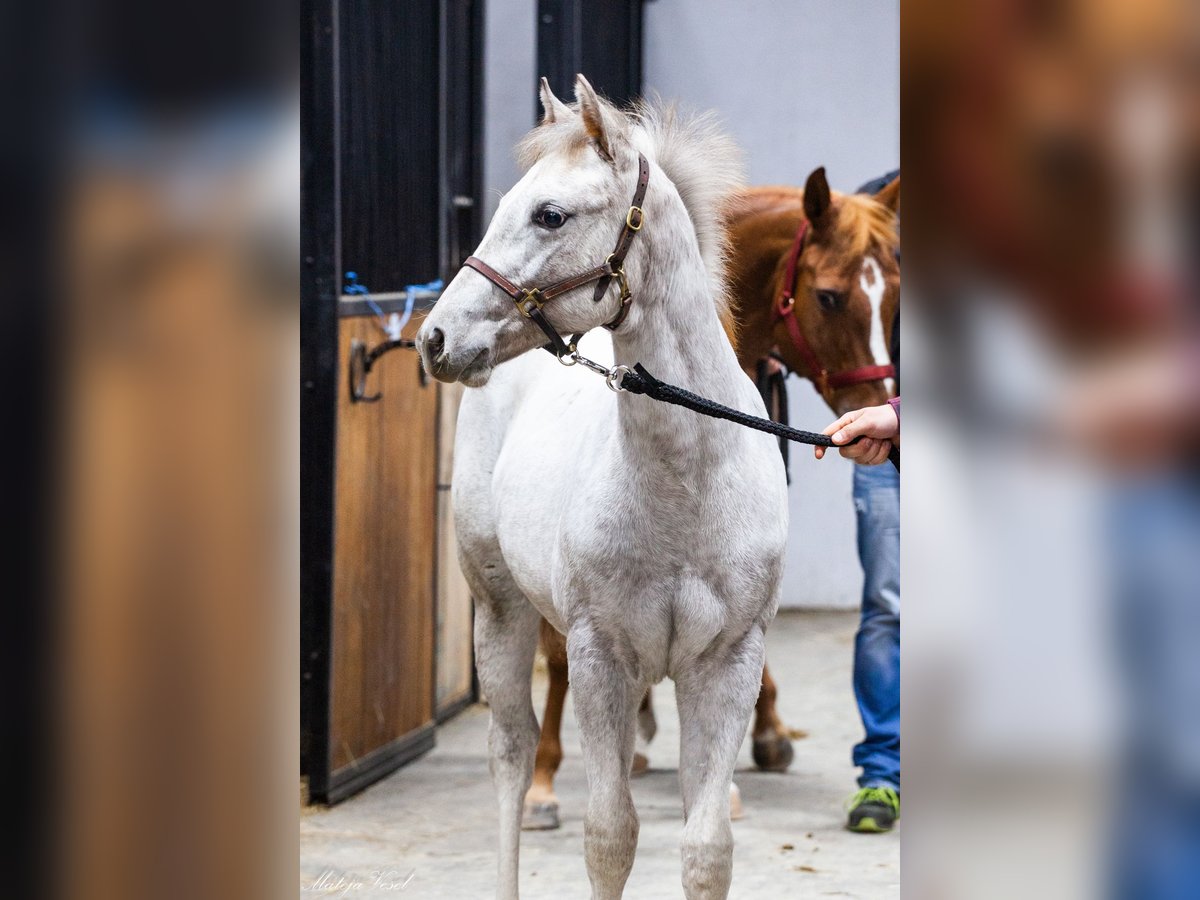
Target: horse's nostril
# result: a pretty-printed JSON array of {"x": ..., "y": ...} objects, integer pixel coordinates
[{"x": 435, "y": 344}]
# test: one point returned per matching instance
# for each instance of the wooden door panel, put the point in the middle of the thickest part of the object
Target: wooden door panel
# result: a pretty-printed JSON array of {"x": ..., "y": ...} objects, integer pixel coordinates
[{"x": 383, "y": 561}]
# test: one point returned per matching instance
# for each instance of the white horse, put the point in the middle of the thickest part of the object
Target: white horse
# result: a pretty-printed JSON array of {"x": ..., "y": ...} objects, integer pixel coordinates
[{"x": 651, "y": 536}]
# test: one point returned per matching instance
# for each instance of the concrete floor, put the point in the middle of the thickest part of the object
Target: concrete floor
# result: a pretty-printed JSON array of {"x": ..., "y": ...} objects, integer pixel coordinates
[{"x": 429, "y": 830}]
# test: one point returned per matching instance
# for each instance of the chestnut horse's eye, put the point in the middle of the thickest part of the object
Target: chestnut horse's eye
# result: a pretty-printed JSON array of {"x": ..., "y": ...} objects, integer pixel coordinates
[
  {"x": 829, "y": 300},
  {"x": 550, "y": 217}
]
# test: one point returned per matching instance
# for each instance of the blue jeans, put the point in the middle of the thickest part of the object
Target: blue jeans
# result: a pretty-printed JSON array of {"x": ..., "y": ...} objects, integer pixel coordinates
[
  {"x": 1154, "y": 530},
  {"x": 877, "y": 644}
]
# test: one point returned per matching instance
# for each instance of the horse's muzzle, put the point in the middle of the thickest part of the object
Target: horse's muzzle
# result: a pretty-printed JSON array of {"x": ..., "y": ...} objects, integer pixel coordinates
[{"x": 446, "y": 365}]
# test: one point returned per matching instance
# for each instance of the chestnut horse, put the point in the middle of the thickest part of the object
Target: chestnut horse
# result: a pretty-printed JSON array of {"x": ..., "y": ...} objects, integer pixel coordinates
[
  {"x": 844, "y": 296},
  {"x": 845, "y": 291}
]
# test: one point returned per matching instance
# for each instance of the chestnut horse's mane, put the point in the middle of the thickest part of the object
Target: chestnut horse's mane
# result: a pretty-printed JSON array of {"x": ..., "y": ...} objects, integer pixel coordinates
[
  {"x": 867, "y": 221},
  {"x": 870, "y": 222},
  {"x": 701, "y": 160}
]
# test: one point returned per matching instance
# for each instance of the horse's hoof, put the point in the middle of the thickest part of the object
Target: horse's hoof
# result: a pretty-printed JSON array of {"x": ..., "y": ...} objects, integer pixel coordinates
[
  {"x": 539, "y": 817},
  {"x": 735, "y": 803},
  {"x": 640, "y": 764},
  {"x": 773, "y": 754}
]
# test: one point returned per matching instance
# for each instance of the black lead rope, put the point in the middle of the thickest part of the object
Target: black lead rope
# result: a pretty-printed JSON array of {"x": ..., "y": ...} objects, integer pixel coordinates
[{"x": 639, "y": 381}]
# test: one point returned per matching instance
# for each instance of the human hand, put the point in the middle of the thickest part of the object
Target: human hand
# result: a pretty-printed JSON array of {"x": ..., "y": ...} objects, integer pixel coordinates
[
  {"x": 879, "y": 428},
  {"x": 1133, "y": 410}
]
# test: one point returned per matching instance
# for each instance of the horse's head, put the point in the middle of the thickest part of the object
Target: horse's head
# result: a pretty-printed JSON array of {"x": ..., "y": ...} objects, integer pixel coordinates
[
  {"x": 560, "y": 219},
  {"x": 847, "y": 293}
]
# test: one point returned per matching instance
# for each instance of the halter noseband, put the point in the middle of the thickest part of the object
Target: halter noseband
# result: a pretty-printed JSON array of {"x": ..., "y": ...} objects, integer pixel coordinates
[
  {"x": 785, "y": 311},
  {"x": 530, "y": 300}
]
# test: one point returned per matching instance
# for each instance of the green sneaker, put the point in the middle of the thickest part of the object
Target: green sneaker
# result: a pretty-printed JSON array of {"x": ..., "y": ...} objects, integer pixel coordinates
[{"x": 873, "y": 809}]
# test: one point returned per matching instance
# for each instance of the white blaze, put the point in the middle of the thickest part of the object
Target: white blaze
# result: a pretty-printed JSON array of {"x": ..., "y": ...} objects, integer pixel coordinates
[{"x": 873, "y": 285}]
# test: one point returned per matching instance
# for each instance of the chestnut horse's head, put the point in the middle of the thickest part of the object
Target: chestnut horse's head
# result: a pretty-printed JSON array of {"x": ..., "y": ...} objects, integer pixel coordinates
[{"x": 844, "y": 290}]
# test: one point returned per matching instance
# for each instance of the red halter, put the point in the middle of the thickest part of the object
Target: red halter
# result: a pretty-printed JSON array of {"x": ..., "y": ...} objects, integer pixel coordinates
[{"x": 785, "y": 310}]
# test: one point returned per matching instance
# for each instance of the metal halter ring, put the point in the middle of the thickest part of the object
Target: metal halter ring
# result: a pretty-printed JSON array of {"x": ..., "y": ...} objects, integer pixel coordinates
[
  {"x": 615, "y": 376},
  {"x": 571, "y": 358},
  {"x": 619, "y": 274}
]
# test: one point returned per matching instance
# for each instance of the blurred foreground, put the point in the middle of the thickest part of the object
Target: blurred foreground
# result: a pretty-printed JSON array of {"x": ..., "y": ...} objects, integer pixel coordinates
[
  {"x": 150, "y": 166},
  {"x": 1052, "y": 514}
]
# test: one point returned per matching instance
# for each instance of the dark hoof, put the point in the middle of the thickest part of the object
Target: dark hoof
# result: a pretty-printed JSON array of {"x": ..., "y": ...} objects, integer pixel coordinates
[
  {"x": 772, "y": 754},
  {"x": 539, "y": 817}
]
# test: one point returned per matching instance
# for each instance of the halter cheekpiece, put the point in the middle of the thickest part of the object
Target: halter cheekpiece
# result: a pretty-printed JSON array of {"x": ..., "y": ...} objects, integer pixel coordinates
[{"x": 529, "y": 301}]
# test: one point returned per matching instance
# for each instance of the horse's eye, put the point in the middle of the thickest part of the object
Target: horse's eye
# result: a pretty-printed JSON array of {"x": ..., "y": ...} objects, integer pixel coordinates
[
  {"x": 829, "y": 300},
  {"x": 550, "y": 217}
]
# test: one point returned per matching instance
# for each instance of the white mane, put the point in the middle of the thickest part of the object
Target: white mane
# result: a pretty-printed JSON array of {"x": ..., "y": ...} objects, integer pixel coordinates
[{"x": 705, "y": 165}]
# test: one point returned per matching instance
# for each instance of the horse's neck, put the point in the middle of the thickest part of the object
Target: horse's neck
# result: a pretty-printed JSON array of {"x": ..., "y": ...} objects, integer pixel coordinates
[
  {"x": 761, "y": 264},
  {"x": 756, "y": 324},
  {"x": 678, "y": 337}
]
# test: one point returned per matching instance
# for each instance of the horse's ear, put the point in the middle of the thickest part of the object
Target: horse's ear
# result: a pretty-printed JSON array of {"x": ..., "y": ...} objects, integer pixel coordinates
[
  {"x": 599, "y": 128},
  {"x": 555, "y": 110},
  {"x": 816, "y": 196},
  {"x": 890, "y": 195}
]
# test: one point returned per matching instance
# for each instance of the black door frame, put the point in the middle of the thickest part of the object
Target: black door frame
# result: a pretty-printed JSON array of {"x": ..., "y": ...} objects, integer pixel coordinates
[{"x": 320, "y": 255}]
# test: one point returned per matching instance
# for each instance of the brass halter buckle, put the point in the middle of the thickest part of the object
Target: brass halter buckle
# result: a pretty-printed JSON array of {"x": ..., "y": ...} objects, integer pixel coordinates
[
  {"x": 641, "y": 217},
  {"x": 531, "y": 300}
]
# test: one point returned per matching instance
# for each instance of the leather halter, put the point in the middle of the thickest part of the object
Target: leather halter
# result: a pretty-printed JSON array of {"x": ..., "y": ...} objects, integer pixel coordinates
[
  {"x": 785, "y": 311},
  {"x": 530, "y": 300}
]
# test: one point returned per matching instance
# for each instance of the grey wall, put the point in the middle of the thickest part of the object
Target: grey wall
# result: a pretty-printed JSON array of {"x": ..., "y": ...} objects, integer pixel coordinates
[{"x": 799, "y": 83}]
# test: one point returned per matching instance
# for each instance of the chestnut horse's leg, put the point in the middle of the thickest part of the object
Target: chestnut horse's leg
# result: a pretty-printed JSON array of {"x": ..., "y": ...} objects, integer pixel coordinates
[
  {"x": 541, "y": 803},
  {"x": 647, "y": 726},
  {"x": 771, "y": 748}
]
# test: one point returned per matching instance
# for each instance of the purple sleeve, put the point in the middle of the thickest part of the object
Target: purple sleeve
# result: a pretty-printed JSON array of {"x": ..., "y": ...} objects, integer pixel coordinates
[{"x": 894, "y": 403}]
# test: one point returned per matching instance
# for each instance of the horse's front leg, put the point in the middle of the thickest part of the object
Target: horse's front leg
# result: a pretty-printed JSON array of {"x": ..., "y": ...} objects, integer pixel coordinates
[
  {"x": 769, "y": 741},
  {"x": 606, "y": 701},
  {"x": 715, "y": 697},
  {"x": 506, "y": 631}
]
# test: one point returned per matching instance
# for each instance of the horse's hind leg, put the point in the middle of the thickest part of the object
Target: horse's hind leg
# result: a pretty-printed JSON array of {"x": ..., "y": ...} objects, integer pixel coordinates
[
  {"x": 770, "y": 745},
  {"x": 541, "y": 803},
  {"x": 647, "y": 727},
  {"x": 714, "y": 697},
  {"x": 506, "y": 628},
  {"x": 606, "y": 700}
]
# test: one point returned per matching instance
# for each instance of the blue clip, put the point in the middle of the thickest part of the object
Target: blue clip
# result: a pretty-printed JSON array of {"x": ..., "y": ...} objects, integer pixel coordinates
[{"x": 352, "y": 285}]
